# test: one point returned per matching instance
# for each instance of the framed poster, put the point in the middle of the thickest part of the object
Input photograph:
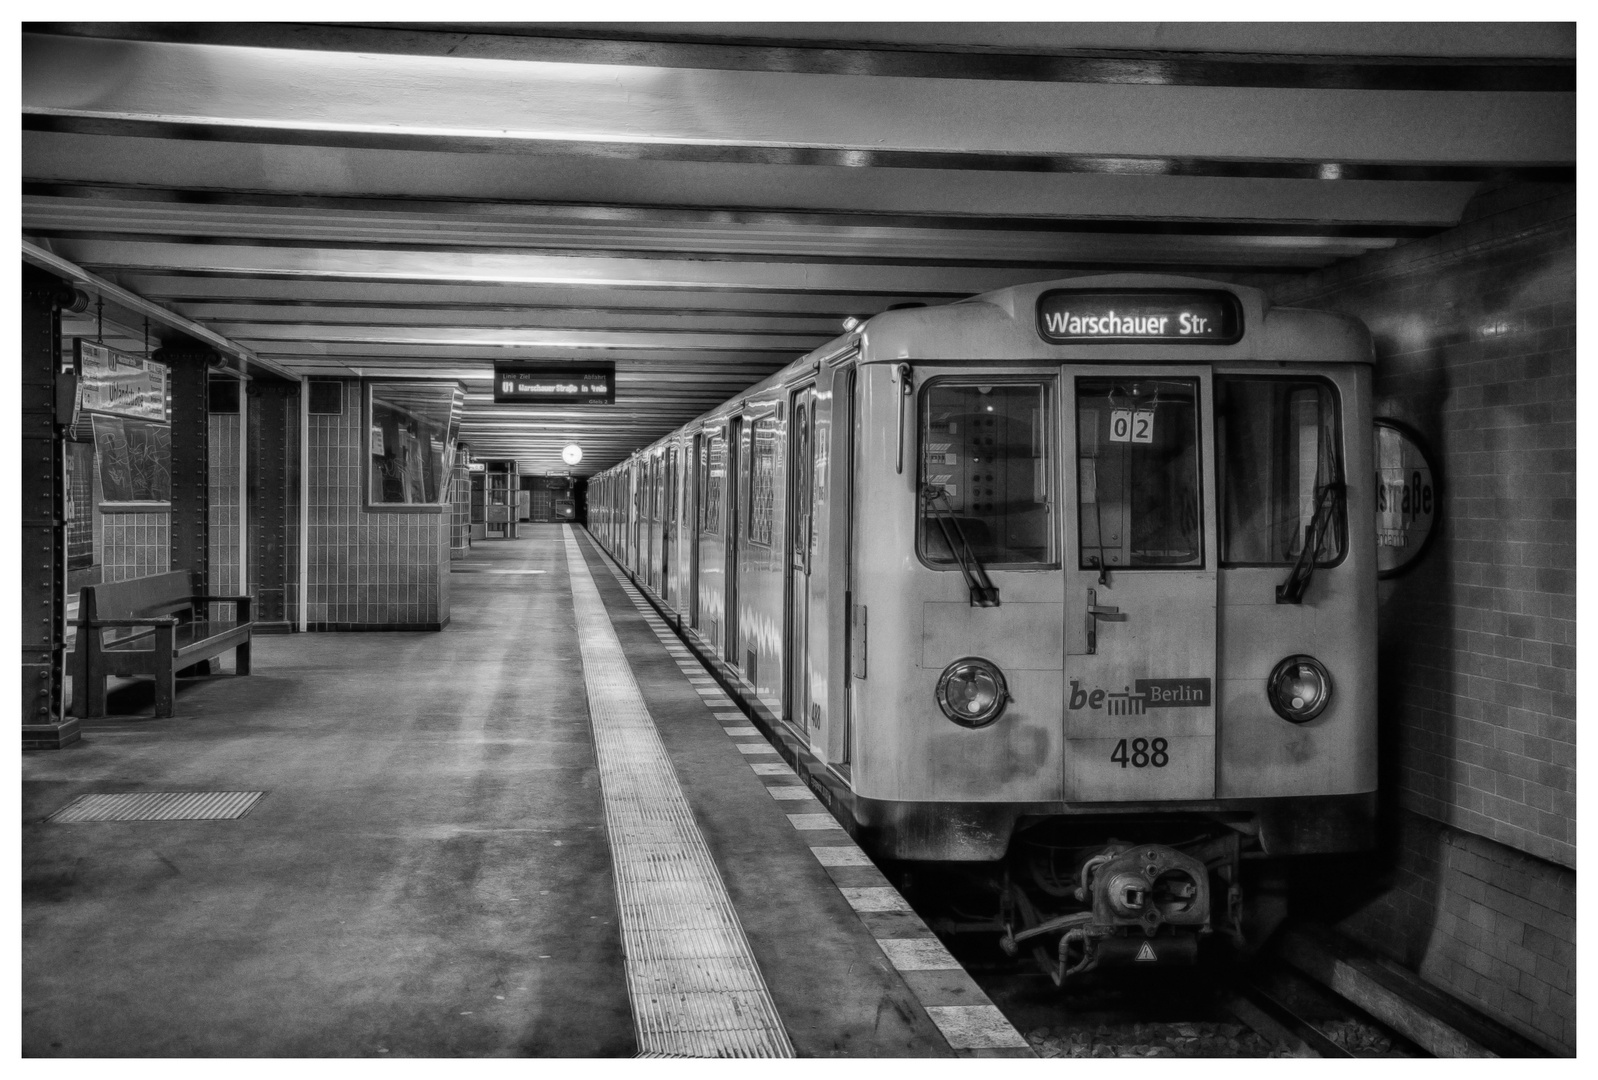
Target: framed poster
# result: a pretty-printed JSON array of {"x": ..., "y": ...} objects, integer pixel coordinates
[
  {"x": 1407, "y": 500},
  {"x": 135, "y": 460}
]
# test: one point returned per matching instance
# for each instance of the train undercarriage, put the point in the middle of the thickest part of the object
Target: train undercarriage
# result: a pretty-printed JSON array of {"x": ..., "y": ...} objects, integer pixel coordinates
[{"x": 1077, "y": 898}]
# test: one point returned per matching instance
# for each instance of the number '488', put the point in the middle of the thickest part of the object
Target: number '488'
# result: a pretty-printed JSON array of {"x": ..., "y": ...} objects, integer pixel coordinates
[{"x": 1144, "y": 752}]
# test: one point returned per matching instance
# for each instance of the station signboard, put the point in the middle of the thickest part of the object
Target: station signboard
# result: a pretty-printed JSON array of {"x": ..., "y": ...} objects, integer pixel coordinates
[
  {"x": 554, "y": 384},
  {"x": 1407, "y": 501},
  {"x": 116, "y": 383},
  {"x": 1123, "y": 316}
]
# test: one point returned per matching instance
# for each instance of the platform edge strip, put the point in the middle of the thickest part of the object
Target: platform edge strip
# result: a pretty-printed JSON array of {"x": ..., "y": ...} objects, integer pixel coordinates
[
  {"x": 695, "y": 987},
  {"x": 976, "y": 1029}
]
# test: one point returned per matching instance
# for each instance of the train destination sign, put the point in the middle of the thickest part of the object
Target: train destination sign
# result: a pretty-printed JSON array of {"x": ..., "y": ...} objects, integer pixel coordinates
[
  {"x": 1088, "y": 316},
  {"x": 564, "y": 384}
]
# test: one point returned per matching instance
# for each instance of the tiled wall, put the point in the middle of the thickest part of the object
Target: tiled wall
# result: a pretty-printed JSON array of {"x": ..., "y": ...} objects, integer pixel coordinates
[
  {"x": 1475, "y": 332},
  {"x": 460, "y": 527},
  {"x": 1490, "y": 924},
  {"x": 222, "y": 549},
  {"x": 368, "y": 571},
  {"x": 135, "y": 545}
]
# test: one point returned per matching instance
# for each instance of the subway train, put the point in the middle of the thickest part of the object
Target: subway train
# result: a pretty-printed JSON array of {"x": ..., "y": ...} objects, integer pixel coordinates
[{"x": 1074, "y": 580}]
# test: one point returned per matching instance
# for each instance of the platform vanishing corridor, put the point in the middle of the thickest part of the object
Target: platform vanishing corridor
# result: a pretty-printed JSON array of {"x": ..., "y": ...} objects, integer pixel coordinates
[{"x": 428, "y": 872}]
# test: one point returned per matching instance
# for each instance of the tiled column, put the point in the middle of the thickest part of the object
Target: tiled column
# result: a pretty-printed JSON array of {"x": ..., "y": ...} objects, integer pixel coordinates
[
  {"x": 224, "y": 495},
  {"x": 460, "y": 533},
  {"x": 273, "y": 445},
  {"x": 368, "y": 569},
  {"x": 189, "y": 367}
]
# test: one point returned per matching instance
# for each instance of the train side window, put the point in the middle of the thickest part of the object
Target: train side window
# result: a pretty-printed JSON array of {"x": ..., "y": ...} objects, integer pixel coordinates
[
  {"x": 1138, "y": 473},
  {"x": 713, "y": 486},
  {"x": 987, "y": 446},
  {"x": 763, "y": 481},
  {"x": 1278, "y": 444}
]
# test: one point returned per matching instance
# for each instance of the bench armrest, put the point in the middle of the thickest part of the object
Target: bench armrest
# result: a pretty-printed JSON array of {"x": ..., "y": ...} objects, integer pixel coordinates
[{"x": 95, "y": 624}]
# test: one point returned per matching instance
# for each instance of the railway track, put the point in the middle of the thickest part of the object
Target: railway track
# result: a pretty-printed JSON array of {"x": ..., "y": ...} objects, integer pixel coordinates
[{"x": 1265, "y": 1011}]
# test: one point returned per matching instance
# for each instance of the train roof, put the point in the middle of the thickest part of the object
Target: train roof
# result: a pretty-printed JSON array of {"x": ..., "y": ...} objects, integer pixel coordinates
[{"x": 1003, "y": 325}]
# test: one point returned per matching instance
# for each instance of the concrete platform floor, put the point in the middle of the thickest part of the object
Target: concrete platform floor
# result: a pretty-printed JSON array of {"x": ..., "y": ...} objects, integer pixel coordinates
[{"x": 428, "y": 873}]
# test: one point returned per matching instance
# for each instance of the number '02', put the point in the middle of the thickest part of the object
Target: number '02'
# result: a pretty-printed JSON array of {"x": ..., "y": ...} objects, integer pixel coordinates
[{"x": 1143, "y": 753}]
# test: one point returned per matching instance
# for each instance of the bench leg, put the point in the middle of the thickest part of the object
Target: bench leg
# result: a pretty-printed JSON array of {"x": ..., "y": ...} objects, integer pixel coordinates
[
  {"x": 241, "y": 659},
  {"x": 166, "y": 687}
]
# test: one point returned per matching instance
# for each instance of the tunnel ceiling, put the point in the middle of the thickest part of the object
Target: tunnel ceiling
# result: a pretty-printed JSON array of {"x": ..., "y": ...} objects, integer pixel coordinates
[{"x": 701, "y": 203}]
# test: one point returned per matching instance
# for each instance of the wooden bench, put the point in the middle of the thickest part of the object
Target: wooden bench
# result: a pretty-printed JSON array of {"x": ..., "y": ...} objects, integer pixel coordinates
[{"x": 154, "y": 626}]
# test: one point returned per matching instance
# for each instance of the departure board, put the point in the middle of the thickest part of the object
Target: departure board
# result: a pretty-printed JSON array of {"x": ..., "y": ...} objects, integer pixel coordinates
[
  {"x": 1124, "y": 316},
  {"x": 546, "y": 384}
]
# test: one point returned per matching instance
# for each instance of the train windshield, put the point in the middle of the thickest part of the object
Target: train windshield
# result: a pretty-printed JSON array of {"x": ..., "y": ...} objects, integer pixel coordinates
[
  {"x": 1277, "y": 440},
  {"x": 1138, "y": 473},
  {"x": 987, "y": 447}
]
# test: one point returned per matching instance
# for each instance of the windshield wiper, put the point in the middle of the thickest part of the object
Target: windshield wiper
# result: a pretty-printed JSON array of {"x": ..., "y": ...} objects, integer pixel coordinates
[
  {"x": 1328, "y": 499},
  {"x": 984, "y": 593}
]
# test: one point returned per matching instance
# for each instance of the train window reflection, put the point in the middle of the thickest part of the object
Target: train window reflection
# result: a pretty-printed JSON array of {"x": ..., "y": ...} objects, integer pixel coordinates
[
  {"x": 1138, "y": 473},
  {"x": 714, "y": 483},
  {"x": 763, "y": 481},
  {"x": 987, "y": 447},
  {"x": 1277, "y": 441}
]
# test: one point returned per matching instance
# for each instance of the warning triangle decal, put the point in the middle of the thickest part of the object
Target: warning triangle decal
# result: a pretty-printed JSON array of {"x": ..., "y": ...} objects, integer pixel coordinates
[{"x": 1146, "y": 953}]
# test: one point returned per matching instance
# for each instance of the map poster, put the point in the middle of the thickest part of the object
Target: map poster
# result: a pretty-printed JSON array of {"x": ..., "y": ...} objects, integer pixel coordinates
[
  {"x": 135, "y": 460},
  {"x": 119, "y": 383}
]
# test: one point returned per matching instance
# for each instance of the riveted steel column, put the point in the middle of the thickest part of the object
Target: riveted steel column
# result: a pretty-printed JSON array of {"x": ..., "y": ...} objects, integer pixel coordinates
[
  {"x": 269, "y": 416},
  {"x": 189, "y": 376},
  {"x": 44, "y": 533}
]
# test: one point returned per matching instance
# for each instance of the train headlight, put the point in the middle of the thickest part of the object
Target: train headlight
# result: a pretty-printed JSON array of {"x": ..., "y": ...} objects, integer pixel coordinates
[
  {"x": 1299, "y": 689},
  {"x": 972, "y": 692}
]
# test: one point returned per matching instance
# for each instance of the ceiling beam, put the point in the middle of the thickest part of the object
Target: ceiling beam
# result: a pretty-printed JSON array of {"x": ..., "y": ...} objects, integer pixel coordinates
[
  {"x": 340, "y": 99},
  {"x": 831, "y": 53},
  {"x": 618, "y": 182},
  {"x": 130, "y": 202},
  {"x": 535, "y": 268}
]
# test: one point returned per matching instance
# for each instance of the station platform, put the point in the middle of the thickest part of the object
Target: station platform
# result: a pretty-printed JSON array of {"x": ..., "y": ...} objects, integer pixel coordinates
[{"x": 541, "y": 831}]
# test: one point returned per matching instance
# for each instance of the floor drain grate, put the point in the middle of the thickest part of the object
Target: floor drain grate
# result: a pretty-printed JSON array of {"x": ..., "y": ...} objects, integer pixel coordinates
[{"x": 158, "y": 806}]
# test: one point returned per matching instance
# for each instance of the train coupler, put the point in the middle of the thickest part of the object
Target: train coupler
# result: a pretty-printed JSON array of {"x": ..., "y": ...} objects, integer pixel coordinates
[
  {"x": 1146, "y": 886},
  {"x": 1148, "y": 904}
]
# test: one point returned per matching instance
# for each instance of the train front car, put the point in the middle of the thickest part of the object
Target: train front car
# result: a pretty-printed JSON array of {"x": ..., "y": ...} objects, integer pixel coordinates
[{"x": 1113, "y": 595}]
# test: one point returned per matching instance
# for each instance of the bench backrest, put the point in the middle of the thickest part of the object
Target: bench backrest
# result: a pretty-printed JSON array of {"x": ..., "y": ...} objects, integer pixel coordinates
[{"x": 137, "y": 598}]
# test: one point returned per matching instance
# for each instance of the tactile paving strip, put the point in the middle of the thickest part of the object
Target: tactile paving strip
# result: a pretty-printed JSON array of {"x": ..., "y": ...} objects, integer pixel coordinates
[
  {"x": 695, "y": 987},
  {"x": 956, "y": 1005},
  {"x": 158, "y": 806}
]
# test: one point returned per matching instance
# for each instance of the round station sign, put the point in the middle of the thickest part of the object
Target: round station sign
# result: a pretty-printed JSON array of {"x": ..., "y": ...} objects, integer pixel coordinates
[{"x": 1406, "y": 498}]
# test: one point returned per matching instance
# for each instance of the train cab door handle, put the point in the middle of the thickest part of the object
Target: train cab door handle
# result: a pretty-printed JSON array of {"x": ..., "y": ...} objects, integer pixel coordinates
[{"x": 1094, "y": 614}]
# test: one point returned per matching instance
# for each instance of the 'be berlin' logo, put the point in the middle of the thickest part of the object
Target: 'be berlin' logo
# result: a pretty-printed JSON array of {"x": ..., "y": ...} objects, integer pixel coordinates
[{"x": 1142, "y": 695}]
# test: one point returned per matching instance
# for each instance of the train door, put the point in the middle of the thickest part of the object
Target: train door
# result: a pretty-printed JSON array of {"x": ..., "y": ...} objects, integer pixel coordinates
[
  {"x": 1140, "y": 585},
  {"x": 841, "y": 748},
  {"x": 693, "y": 492},
  {"x": 737, "y": 485},
  {"x": 797, "y": 692},
  {"x": 635, "y": 520},
  {"x": 668, "y": 532},
  {"x": 656, "y": 526}
]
